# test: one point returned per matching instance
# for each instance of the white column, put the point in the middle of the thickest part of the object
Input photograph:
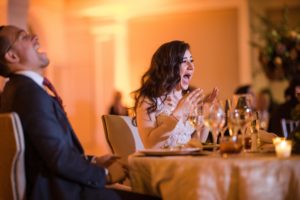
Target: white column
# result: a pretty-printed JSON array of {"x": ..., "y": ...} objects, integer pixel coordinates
[
  {"x": 111, "y": 67},
  {"x": 101, "y": 93},
  {"x": 122, "y": 74}
]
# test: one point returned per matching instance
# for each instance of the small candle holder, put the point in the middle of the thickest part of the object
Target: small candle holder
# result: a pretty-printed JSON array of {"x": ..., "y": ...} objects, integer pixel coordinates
[
  {"x": 230, "y": 145},
  {"x": 277, "y": 140},
  {"x": 283, "y": 148}
]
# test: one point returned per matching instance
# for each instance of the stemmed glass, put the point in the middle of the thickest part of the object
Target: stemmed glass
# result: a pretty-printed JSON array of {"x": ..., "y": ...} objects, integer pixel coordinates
[
  {"x": 227, "y": 107},
  {"x": 240, "y": 115},
  {"x": 214, "y": 118},
  {"x": 196, "y": 119}
]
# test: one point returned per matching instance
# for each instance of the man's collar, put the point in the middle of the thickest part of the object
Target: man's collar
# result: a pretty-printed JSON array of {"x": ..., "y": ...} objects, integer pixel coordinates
[{"x": 37, "y": 78}]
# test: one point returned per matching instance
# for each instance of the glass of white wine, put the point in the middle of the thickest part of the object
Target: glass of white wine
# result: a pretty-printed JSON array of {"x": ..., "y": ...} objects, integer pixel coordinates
[
  {"x": 214, "y": 118},
  {"x": 241, "y": 114},
  {"x": 196, "y": 119}
]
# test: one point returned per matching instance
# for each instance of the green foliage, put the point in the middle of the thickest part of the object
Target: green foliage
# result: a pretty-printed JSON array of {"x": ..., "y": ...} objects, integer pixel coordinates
[{"x": 279, "y": 48}]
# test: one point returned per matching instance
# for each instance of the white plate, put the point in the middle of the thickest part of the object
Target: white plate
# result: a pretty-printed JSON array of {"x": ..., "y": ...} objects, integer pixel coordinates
[{"x": 169, "y": 152}]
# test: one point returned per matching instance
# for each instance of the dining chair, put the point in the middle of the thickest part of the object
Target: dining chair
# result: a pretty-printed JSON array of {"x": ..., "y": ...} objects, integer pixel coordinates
[
  {"x": 12, "y": 166},
  {"x": 121, "y": 135},
  {"x": 123, "y": 139},
  {"x": 288, "y": 126}
]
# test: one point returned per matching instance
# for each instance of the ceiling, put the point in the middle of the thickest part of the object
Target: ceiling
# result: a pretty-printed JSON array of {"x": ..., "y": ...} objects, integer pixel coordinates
[{"x": 126, "y": 9}]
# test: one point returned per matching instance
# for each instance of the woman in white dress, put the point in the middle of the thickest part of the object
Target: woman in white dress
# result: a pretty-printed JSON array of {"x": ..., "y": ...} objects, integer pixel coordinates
[{"x": 163, "y": 102}]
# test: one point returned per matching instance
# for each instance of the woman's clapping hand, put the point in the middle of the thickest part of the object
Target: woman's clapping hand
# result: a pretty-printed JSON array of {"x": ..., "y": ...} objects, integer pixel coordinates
[
  {"x": 212, "y": 96},
  {"x": 188, "y": 102}
]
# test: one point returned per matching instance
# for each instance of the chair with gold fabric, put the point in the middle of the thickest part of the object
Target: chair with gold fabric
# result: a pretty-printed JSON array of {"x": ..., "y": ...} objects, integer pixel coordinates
[
  {"x": 121, "y": 135},
  {"x": 12, "y": 166}
]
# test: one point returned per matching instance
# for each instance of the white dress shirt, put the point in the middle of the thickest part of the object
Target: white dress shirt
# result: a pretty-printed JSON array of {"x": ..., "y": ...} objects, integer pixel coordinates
[{"x": 37, "y": 78}]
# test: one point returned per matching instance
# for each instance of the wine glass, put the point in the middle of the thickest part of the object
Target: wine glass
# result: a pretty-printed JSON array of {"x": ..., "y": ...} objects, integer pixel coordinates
[
  {"x": 227, "y": 107},
  {"x": 196, "y": 119},
  {"x": 214, "y": 118},
  {"x": 240, "y": 114}
]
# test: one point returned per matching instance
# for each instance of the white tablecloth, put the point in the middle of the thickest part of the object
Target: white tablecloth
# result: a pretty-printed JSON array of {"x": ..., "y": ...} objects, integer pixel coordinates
[{"x": 246, "y": 176}]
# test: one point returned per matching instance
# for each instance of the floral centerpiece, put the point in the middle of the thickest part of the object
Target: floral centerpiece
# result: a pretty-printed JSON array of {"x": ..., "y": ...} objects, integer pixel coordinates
[
  {"x": 279, "y": 49},
  {"x": 279, "y": 56}
]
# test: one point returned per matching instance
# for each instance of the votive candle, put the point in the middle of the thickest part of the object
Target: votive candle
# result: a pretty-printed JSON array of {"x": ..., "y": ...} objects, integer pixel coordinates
[
  {"x": 283, "y": 149},
  {"x": 277, "y": 140}
]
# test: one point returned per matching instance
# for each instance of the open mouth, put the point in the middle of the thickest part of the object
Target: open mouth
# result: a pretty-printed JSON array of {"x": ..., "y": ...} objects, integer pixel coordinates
[
  {"x": 38, "y": 48},
  {"x": 187, "y": 77},
  {"x": 36, "y": 45}
]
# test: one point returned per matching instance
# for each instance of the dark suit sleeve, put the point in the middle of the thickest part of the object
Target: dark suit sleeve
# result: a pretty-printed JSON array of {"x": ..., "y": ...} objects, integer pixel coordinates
[
  {"x": 275, "y": 123},
  {"x": 51, "y": 139}
]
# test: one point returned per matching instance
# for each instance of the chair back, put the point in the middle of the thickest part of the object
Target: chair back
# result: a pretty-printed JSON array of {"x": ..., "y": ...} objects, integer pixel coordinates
[
  {"x": 288, "y": 126},
  {"x": 121, "y": 135},
  {"x": 12, "y": 166}
]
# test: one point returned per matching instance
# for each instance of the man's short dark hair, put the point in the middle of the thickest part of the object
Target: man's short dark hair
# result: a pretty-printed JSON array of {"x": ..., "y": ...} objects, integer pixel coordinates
[
  {"x": 4, "y": 44},
  {"x": 244, "y": 89}
]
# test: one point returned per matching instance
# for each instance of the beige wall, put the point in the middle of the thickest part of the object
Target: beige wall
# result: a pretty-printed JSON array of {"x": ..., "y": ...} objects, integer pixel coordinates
[
  {"x": 3, "y": 20},
  {"x": 214, "y": 44},
  {"x": 3, "y": 13}
]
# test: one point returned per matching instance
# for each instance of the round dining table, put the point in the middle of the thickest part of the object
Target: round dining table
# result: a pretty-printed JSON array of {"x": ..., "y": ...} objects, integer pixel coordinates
[{"x": 212, "y": 176}]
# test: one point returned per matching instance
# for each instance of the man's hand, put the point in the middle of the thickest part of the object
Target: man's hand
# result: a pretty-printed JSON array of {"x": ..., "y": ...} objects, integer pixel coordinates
[
  {"x": 106, "y": 160},
  {"x": 117, "y": 172}
]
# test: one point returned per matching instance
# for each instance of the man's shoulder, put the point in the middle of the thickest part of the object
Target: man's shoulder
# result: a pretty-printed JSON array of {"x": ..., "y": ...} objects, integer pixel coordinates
[
  {"x": 287, "y": 105},
  {"x": 20, "y": 78},
  {"x": 22, "y": 82},
  {"x": 21, "y": 87}
]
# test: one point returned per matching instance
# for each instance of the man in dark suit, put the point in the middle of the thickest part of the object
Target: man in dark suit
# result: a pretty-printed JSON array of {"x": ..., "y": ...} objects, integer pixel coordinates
[
  {"x": 56, "y": 167},
  {"x": 285, "y": 110}
]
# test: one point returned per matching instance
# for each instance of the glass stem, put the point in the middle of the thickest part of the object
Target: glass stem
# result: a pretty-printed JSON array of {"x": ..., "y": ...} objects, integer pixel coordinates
[
  {"x": 215, "y": 138},
  {"x": 243, "y": 130}
]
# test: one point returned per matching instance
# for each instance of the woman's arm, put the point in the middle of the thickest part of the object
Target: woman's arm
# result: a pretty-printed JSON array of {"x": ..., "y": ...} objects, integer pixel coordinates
[{"x": 152, "y": 134}]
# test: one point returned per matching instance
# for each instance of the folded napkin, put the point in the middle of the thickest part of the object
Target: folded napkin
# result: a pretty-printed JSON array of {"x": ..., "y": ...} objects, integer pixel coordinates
[
  {"x": 266, "y": 137},
  {"x": 267, "y": 148}
]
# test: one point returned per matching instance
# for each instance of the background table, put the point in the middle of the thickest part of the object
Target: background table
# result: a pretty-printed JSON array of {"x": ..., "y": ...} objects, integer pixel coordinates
[{"x": 244, "y": 176}]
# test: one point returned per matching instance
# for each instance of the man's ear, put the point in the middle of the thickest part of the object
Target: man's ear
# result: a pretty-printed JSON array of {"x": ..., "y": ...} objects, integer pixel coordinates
[{"x": 11, "y": 57}]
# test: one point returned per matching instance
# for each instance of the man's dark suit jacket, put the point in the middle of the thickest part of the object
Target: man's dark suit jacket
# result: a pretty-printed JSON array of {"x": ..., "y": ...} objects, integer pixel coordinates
[
  {"x": 282, "y": 111},
  {"x": 56, "y": 167}
]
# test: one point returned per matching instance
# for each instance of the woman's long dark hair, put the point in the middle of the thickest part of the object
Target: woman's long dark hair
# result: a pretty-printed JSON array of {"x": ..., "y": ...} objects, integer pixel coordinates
[{"x": 162, "y": 76}]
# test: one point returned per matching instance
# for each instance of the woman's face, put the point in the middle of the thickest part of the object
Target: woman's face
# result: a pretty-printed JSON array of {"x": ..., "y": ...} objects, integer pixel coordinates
[{"x": 186, "y": 71}]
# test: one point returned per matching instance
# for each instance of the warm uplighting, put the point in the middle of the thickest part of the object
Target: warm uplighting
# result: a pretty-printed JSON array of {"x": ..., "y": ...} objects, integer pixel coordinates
[{"x": 123, "y": 9}]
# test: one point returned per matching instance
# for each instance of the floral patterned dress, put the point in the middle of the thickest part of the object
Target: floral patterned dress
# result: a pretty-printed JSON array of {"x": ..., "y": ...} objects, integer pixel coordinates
[{"x": 182, "y": 132}]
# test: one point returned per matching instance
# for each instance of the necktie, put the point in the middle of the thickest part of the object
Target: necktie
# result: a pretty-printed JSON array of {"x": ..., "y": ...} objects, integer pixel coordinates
[{"x": 49, "y": 85}]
